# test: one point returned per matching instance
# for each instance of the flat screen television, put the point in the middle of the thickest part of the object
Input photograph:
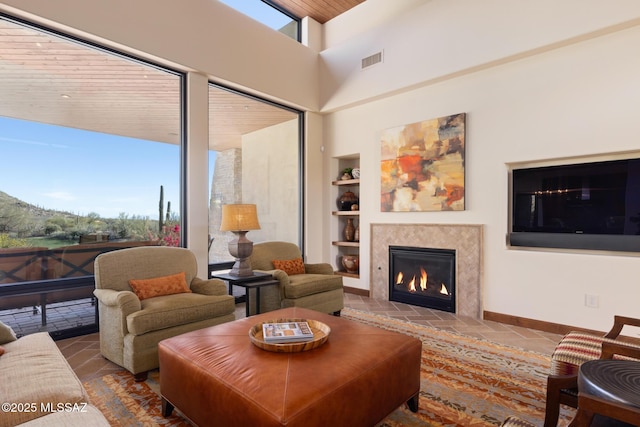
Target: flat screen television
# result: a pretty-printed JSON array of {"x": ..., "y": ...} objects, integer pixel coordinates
[{"x": 591, "y": 206}]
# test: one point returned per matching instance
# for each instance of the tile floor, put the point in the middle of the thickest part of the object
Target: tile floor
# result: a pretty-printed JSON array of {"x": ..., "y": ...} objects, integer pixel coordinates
[{"x": 83, "y": 353}]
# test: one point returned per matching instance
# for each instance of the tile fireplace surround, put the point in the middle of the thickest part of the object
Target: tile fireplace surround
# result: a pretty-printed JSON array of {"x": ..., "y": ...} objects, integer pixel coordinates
[{"x": 465, "y": 239}]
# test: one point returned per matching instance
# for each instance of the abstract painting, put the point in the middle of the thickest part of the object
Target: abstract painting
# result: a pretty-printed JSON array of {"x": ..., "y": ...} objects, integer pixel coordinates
[{"x": 422, "y": 166}]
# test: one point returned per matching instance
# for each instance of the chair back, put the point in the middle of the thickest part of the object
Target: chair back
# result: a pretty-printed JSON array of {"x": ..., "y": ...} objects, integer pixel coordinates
[
  {"x": 113, "y": 270},
  {"x": 265, "y": 252}
]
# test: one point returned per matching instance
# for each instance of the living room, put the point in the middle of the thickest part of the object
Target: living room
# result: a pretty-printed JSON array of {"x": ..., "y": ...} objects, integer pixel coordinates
[{"x": 538, "y": 83}]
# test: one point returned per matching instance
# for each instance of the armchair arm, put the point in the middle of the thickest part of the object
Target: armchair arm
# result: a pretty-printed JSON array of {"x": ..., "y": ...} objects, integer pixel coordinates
[
  {"x": 279, "y": 275},
  {"x": 127, "y": 301},
  {"x": 555, "y": 396},
  {"x": 618, "y": 323},
  {"x": 208, "y": 287},
  {"x": 609, "y": 349},
  {"x": 318, "y": 268}
]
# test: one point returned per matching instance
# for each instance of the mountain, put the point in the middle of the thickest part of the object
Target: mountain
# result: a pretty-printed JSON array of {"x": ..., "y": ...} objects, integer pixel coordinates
[{"x": 8, "y": 202}]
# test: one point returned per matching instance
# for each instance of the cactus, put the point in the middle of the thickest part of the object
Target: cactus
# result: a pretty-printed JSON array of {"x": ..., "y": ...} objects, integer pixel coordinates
[{"x": 161, "y": 207}]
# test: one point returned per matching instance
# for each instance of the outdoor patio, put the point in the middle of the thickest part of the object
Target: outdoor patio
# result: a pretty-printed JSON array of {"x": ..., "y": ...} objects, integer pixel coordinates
[{"x": 60, "y": 316}]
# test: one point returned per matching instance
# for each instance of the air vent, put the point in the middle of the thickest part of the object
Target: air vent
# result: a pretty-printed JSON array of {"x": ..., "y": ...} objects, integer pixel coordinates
[{"x": 371, "y": 60}]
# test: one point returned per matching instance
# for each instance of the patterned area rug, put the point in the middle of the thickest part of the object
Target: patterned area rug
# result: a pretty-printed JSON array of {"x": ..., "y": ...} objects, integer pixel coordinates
[{"x": 464, "y": 382}]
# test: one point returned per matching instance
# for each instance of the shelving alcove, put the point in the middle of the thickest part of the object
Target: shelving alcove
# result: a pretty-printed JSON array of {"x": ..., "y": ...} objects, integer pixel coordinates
[{"x": 346, "y": 247}]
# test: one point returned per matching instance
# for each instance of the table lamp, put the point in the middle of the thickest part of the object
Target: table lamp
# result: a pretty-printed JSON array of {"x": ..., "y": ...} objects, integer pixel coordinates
[{"x": 239, "y": 219}]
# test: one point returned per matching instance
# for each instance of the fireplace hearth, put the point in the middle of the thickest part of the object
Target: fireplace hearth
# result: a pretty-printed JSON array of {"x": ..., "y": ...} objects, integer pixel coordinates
[{"x": 425, "y": 277}]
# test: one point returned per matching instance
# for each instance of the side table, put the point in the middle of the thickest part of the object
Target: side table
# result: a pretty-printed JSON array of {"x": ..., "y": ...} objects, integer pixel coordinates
[
  {"x": 257, "y": 281},
  {"x": 610, "y": 388}
]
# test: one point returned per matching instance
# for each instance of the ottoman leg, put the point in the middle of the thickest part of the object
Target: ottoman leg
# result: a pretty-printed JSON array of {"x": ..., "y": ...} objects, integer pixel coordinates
[
  {"x": 413, "y": 403},
  {"x": 167, "y": 408}
]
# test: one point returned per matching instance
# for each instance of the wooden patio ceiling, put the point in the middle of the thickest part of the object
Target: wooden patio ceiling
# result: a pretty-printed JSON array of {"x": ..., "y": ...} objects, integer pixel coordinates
[{"x": 48, "y": 79}]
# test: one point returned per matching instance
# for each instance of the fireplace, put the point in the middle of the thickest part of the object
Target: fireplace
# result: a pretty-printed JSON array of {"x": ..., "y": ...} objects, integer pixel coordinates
[{"x": 425, "y": 277}]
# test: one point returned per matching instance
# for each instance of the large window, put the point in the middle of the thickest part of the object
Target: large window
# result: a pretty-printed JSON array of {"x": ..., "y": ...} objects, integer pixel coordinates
[
  {"x": 255, "y": 157},
  {"x": 91, "y": 143}
]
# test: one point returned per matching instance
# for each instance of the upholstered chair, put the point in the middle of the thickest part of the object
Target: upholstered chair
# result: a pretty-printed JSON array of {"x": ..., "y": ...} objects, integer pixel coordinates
[
  {"x": 573, "y": 350},
  {"x": 313, "y": 286},
  {"x": 147, "y": 294}
]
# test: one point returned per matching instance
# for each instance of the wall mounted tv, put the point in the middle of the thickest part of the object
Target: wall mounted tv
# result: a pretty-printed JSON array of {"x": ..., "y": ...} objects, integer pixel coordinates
[{"x": 590, "y": 206}]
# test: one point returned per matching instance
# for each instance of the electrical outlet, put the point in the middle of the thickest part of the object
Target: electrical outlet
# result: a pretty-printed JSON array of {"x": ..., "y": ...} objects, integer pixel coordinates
[{"x": 592, "y": 301}]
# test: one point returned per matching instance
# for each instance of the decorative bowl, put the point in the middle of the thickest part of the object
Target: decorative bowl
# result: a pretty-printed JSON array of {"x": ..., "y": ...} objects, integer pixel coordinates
[{"x": 320, "y": 330}]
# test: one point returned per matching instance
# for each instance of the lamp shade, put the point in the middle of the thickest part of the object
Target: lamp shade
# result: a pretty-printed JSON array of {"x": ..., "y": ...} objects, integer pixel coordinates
[{"x": 239, "y": 218}]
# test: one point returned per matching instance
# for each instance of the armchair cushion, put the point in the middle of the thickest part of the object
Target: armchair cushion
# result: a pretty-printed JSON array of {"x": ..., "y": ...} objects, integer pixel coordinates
[
  {"x": 308, "y": 284},
  {"x": 158, "y": 286},
  {"x": 173, "y": 310},
  {"x": 290, "y": 266},
  {"x": 574, "y": 349}
]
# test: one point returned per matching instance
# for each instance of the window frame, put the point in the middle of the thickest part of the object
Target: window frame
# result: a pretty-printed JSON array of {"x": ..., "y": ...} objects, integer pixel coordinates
[
  {"x": 45, "y": 286},
  {"x": 218, "y": 266}
]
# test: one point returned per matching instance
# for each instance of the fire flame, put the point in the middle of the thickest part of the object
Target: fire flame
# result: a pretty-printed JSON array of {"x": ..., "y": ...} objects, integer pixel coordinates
[
  {"x": 421, "y": 282},
  {"x": 412, "y": 284},
  {"x": 423, "y": 279}
]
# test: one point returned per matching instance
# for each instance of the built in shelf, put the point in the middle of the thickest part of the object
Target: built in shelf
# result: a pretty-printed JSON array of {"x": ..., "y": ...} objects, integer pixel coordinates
[
  {"x": 346, "y": 213},
  {"x": 344, "y": 243},
  {"x": 346, "y": 182}
]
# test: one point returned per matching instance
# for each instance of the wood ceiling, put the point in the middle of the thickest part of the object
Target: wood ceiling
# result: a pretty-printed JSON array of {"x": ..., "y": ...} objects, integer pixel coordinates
[
  {"x": 320, "y": 10},
  {"x": 48, "y": 79}
]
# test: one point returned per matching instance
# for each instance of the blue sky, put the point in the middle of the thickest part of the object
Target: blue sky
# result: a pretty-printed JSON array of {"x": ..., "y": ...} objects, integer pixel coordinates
[
  {"x": 81, "y": 172},
  {"x": 260, "y": 11}
]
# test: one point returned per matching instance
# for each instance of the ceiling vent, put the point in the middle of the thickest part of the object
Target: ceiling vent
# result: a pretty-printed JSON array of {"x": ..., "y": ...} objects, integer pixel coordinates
[{"x": 371, "y": 60}]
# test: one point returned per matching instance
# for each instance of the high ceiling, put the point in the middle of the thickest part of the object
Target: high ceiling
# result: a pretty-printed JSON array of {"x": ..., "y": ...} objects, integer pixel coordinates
[
  {"x": 47, "y": 79},
  {"x": 320, "y": 10}
]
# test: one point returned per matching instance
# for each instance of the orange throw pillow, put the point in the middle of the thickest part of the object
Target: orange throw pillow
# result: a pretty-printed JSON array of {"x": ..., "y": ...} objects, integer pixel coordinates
[
  {"x": 158, "y": 286},
  {"x": 290, "y": 266},
  {"x": 1, "y": 350}
]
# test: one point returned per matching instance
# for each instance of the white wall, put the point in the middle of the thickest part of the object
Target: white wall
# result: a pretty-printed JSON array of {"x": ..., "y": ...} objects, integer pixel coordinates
[
  {"x": 431, "y": 40},
  {"x": 575, "y": 100}
]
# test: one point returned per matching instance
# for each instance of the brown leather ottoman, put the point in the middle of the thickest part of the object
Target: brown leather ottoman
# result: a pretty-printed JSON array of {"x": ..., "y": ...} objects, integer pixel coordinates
[{"x": 216, "y": 376}]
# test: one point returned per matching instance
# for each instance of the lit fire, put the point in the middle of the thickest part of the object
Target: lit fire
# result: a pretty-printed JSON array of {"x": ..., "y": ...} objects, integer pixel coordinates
[
  {"x": 421, "y": 282},
  {"x": 423, "y": 279}
]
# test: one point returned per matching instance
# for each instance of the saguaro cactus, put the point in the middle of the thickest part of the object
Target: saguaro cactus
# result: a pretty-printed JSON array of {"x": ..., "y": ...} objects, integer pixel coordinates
[{"x": 161, "y": 209}]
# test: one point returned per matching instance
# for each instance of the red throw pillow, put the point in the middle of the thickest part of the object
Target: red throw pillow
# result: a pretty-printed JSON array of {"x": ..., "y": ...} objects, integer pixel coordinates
[
  {"x": 158, "y": 286},
  {"x": 290, "y": 266}
]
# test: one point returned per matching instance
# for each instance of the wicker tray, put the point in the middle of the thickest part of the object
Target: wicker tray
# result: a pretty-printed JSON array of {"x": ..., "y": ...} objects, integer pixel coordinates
[{"x": 320, "y": 335}]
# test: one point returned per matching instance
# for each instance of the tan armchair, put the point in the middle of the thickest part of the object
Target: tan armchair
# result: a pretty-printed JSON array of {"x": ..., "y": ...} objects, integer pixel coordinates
[
  {"x": 130, "y": 328},
  {"x": 317, "y": 289}
]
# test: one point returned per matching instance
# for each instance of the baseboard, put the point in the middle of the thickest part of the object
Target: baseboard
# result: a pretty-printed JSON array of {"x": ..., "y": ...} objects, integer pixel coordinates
[
  {"x": 539, "y": 325},
  {"x": 356, "y": 291}
]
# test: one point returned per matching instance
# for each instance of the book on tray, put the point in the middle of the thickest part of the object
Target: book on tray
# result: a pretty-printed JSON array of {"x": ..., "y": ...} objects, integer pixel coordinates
[{"x": 286, "y": 332}]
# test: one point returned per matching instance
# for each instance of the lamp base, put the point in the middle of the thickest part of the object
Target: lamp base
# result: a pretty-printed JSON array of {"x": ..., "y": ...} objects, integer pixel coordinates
[
  {"x": 241, "y": 268},
  {"x": 241, "y": 249}
]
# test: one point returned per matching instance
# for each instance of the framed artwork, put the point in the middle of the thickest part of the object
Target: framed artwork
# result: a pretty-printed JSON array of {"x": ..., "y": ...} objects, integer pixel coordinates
[{"x": 422, "y": 166}]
